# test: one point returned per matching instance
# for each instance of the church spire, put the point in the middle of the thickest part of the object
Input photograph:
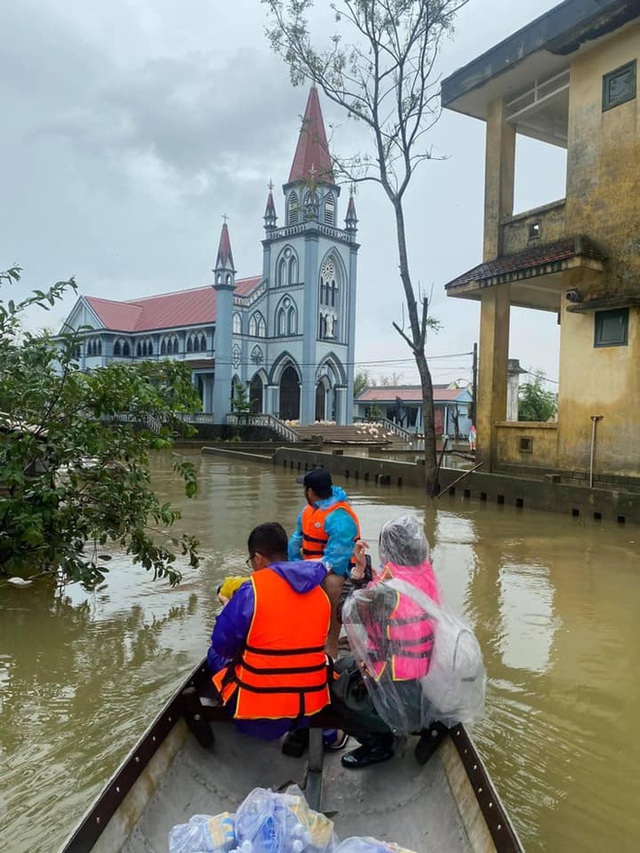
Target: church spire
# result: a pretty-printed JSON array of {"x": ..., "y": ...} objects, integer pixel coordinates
[
  {"x": 270, "y": 216},
  {"x": 351, "y": 219},
  {"x": 312, "y": 160},
  {"x": 224, "y": 261}
]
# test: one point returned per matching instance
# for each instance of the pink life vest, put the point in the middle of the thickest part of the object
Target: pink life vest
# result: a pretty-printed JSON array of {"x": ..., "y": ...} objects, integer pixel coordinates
[{"x": 408, "y": 644}]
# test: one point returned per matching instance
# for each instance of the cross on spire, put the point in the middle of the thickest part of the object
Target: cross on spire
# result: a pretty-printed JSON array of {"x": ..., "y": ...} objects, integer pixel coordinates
[{"x": 225, "y": 218}]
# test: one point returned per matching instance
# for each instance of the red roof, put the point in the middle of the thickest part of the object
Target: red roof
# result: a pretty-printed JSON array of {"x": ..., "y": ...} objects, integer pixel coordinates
[
  {"x": 312, "y": 160},
  {"x": 550, "y": 253},
  {"x": 407, "y": 394},
  {"x": 195, "y": 307}
]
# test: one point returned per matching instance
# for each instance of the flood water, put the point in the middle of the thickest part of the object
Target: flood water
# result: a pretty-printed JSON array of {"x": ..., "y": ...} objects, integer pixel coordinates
[{"x": 553, "y": 601}]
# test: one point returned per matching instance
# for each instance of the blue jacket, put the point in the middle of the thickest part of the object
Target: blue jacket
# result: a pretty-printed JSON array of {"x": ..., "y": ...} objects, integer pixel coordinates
[
  {"x": 340, "y": 529},
  {"x": 232, "y": 628}
]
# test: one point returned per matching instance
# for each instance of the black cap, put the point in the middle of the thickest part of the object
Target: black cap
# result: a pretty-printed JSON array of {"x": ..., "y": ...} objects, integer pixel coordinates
[{"x": 318, "y": 479}]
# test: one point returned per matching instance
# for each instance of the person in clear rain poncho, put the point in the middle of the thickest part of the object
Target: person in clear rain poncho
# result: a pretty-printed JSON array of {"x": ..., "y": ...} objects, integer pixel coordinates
[
  {"x": 414, "y": 664},
  {"x": 391, "y": 638}
]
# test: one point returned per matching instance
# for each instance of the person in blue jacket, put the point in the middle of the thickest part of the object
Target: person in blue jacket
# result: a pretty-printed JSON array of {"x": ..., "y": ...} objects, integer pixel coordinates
[{"x": 327, "y": 530}]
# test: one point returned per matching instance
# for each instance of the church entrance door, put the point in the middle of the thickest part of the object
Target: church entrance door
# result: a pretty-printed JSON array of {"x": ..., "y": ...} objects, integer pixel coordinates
[
  {"x": 321, "y": 396},
  {"x": 289, "y": 395},
  {"x": 255, "y": 395}
]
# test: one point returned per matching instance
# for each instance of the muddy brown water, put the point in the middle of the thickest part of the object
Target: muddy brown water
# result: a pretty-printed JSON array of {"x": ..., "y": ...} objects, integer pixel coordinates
[{"x": 554, "y": 602}]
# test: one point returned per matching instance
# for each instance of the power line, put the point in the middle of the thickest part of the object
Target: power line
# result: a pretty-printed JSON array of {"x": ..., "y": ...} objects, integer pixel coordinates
[{"x": 384, "y": 362}]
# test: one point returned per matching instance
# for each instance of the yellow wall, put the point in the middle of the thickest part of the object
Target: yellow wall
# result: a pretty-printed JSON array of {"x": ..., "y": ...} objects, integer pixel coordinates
[
  {"x": 515, "y": 230},
  {"x": 599, "y": 381},
  {"x": 603, "y": 202},
  {"x": 603, "y": 160},
  {"x": 545, "y": 444}
]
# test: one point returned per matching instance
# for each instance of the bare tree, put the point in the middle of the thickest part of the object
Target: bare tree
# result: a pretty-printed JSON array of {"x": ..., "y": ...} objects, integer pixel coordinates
[{"x": 379, "y": 66}]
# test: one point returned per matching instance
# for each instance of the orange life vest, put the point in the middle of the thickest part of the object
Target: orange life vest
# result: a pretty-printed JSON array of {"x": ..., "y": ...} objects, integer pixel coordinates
[
  {"x": 314, "y": 535},
  {"x": 282, "y": 670}
]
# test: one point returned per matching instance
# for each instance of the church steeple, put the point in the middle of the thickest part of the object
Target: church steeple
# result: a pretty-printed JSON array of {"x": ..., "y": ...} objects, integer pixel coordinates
[
  {"x": 224, "y": 261},
  {"x": 351, "y": 219},
  {"x": 270, "y": 216},
  {"x": 312, "y": 160}
]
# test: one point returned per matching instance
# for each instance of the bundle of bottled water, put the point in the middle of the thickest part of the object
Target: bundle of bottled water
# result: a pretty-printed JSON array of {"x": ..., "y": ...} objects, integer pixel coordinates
[{"x": 269, "y": 822}]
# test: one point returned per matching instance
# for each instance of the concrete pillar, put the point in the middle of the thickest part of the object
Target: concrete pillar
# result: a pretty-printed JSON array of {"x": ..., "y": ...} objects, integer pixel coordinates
[
  {"x": 492, "y": 372},
  {"x": 499, "y": 177},
  {"x": 310, "y": 326},
  {"x": 224, "y": 288},
  {"x": 351, "y": 331},
  {"x": 270, "y": 401},
  {"x": 341, "y": 405}
]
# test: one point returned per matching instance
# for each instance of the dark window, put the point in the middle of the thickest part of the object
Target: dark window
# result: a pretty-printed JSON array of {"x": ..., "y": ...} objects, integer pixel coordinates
[
  {"x": 611, "y": 328},
  {"x": 526, "y": 445},
  {"x": 534, "y": 230},
  {"x": 619, "y": 86}
]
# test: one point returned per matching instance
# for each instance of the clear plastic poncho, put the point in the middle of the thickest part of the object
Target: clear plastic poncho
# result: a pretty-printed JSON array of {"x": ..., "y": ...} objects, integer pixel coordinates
[{"x": 420, "y": 662}]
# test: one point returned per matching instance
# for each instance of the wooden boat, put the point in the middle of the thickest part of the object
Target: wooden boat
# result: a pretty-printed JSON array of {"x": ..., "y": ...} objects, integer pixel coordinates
[{"x": 437, "y": 796}]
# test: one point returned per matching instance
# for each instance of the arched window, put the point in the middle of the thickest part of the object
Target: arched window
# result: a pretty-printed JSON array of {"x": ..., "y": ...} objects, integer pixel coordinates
[
  {"x": 257, "y": 325},
  {"x": 287, "y": 318},
  {"x": 94, "y": 347},
  {"x": 293, "y": 269},
  {"x": 117, "y": 348},
  {"x": 126, "y": 349},
  {"x": 139, "y": 349},
  {"x": 237, "y": 324},
  {"x": 311, "y": 205},
  {"x": 283, "y": 273},
  {"x": 170, "y": 345},
  {"x": 203, "y": 342},
  {"x": 287, "y": 269},
  {"x": 329, "y": 209},
  {"x": 293, "y": 209},
  {"x": 190, "y": 343},
  {"x": 292, "y": 321}
]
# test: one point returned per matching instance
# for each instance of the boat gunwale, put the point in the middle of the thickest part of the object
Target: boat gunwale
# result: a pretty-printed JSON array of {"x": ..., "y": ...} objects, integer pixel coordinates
[{"x": 91, "y": 826}]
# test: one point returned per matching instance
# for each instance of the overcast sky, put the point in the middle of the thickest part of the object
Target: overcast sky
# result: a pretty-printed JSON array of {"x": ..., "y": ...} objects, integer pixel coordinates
[{"x": 130, "y": 126}]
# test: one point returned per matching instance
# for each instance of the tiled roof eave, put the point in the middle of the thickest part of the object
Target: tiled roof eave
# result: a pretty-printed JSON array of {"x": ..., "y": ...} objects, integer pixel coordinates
[{"x": 468, "y": 281}]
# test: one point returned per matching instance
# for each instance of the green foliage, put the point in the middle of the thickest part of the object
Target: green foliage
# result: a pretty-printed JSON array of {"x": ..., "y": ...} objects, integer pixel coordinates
[
  {"x": 361, "y": 382},
  {"x": 74, "y": 453},
  {"x": 240, "y": 402},
  {"x": 535, "y": 403}
]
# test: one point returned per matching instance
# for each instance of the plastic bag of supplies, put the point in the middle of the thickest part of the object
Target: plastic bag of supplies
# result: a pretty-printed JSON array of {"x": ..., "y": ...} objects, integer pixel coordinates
[
  {"x": 421, "y": 664},
  {"x": 269, "y": 822},
  {"x": 369, "y": 845}
]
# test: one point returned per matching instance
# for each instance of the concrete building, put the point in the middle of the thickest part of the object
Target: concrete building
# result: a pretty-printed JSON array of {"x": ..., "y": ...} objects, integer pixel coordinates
[
  {"x": 569, "y": 79},
  {"x": 287, "y": 335},
  {"x": 402, "y": 404}
]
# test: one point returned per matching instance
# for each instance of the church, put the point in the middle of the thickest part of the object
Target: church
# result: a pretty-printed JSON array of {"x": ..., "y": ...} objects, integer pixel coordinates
[{"x": 287, "y": 335}]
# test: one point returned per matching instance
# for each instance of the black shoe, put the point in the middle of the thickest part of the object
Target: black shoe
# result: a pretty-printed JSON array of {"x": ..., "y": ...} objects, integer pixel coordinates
[
  {"x": 363, "y": 756},
  {"x": 296, "y": 743}
]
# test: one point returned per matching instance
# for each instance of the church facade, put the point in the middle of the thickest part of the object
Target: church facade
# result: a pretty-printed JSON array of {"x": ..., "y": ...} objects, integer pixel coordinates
[{"x": 287, "y": 334}]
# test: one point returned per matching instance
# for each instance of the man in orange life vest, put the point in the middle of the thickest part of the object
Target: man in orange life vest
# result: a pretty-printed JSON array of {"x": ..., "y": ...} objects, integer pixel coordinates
[
  {"x": 267, "y": 646},
  {"x": 327, "y": 530}
]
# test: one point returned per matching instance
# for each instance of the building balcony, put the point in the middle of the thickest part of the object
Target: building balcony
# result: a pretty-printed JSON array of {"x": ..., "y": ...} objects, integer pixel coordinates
[{"x": 532, "y": 228}]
